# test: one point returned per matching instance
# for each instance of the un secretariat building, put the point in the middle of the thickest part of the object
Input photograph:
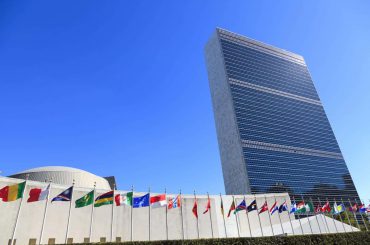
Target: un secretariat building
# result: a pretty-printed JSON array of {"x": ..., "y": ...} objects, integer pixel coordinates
[{"x": 273, "y": 133}]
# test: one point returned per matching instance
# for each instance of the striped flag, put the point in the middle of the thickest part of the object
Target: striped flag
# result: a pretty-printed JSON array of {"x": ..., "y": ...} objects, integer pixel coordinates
[{"x": 12, "y": 192}]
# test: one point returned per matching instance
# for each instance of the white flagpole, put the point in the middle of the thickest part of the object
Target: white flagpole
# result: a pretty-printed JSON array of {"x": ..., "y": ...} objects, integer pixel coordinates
[
  {"x": 165, "y": 195},
  {"x": 314, "y": 211},
  {"x": 223, "y": 215},
  {"x": 290, "y": 220},
  {"x": 209, "y": 211},
  {"x": 278, "y": 211},
  {"x": 195, "y": 199},
  {"x": 149, "y": 213},
  {"x": 246, "y": 210},
  {"x": 362, "y": 217},
  {"x": 113, "y": 204},
  {"x": 269, "y": 215},
  {"x": 132, "y": 204},
  {"x": 345, "y": 211},
  {"x": 354, "y": 213},
  {"x": 19, "y": 209},
  {"x": 258, "y": 215},
  {"x": 46, "y": 208},
  {"x": 340, "y": 217},
  {"x": 236, "y": 217},
  {"x": 92, "y": 214},
  {"x": 182, "y": 218},
  {"x": 69, "y": 212},
  {"x": 323, "y": 214},
  {"x": 332, "y": 216},
  {"x": 299, "y": 217},
  {"x": 309, "y": 223}
]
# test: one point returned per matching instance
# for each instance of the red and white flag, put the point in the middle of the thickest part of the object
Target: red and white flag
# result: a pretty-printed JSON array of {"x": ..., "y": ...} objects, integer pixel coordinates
[
  {"x": 37, "y": 194},
  {"x": 208, "y": 207},
  {"x": 326, "y": 207},
  {"x": 158, "y": 201},
  {"x": 174, "y": 202},
  {"x": 263, "y": 208}
]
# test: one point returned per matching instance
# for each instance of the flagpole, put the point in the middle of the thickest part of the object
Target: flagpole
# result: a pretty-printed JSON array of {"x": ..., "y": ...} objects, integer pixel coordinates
[
  {"x": 223, "y": 215},
  {"x": 69, "y": 212},
  {"x": 354, "y": 215},
  {"x": 165, "y": 195},
  {"x": 182, "y": 218},
  {"x": 44, "y": 218},
  {"x": 345, "y": 211},
  {"x": 324, "y": 215},
  {"x": 132, "y": 203},
  {"x": 281, "y": 224},
  {"x": 340, "y": 217},
  {"x": 209, "y": 211},
  {"x": 149, "y": 213},
  {"x": 236, "y": 218},
  {"x": 317, "y": 220},
  {"x": 258, "y": 216},
  {"x": 299, "y": 217},
  {"x": 269, "y": 215},
  {"x": 19, "y": 209},
  {"x": 111, "y": 228},
  {"x": 309, "y": 222},
  {"x": 332, "y": 216},
  {"x": 290, "y": 220},
  {"x": 362, "y": 217},
  {"x": 249, "y": 225},
  {"x": 92, "y": 214},
  {"x": 195, "y": 197}
]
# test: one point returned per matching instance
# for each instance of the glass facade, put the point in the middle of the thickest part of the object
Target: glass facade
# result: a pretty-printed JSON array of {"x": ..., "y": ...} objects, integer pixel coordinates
[{"x": 286, "y": 139}]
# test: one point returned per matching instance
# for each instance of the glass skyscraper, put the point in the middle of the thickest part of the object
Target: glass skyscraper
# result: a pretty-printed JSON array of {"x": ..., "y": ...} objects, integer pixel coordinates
[{"x": 273, "y": 133}]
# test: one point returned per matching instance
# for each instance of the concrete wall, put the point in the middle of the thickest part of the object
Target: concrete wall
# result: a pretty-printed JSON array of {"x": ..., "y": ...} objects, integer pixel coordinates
[{"x": 243, "y": 224}]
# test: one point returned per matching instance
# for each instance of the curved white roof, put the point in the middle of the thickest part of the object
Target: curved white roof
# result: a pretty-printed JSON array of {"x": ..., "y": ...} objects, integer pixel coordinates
[{"x": 64, "y": 176}]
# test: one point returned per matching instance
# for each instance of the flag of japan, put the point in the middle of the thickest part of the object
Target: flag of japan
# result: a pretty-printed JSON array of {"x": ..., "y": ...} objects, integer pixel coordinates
[
  {"x": 158, "y": 201},
  {"x": 37, "y": 194}
]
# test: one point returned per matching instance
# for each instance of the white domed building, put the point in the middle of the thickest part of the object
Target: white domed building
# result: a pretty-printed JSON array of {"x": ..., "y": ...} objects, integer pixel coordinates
[{"x": 66, "y": 176}]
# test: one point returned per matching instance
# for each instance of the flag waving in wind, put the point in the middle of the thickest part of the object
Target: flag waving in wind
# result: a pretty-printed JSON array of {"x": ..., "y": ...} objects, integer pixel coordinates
[
  {"x": 37, "y": 194},
  {"x": 283, "y": 207},
  {"x": 263, "y": 208},
  {"x": 65, "y": 196},
  {"x": 274, "y": 208},
  {"x": 252, "y": 206},
  {"x": 142, "y": 201},
  {"x": 232, "y": 207},
  {"x": 174, "y": 202},
  {"x": 240, "y": 207},
  {"x": 208, "y": 206},
  {"x": 195, "y": 209}
]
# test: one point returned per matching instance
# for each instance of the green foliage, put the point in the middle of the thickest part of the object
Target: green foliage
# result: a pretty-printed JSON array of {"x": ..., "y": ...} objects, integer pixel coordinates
[{"x": 339, "y": 238}]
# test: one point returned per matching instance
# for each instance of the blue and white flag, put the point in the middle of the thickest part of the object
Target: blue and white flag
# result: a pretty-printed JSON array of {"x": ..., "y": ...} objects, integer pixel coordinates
[
  {"x": 283, "y": 207},
  {"x": 142, "y": 201},
  {"x": 65, "y": 196},
  {"x": 293, "y": 209}
]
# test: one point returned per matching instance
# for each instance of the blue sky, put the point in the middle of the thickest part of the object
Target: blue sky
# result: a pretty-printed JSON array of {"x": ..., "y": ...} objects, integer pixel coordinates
[{"x": 119, "y": 88}]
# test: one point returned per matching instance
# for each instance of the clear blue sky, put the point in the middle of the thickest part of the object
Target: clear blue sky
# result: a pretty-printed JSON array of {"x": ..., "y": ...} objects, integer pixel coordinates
[{"x": 120, "y": 88}]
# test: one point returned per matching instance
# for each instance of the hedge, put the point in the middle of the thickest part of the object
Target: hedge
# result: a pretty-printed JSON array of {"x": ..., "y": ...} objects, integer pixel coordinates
[{"x": 338, "y": 238}]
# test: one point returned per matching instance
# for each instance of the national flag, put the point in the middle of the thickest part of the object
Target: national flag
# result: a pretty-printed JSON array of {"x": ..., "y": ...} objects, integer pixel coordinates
[
  {"x": 326, "y": 208},
  {"x": 309, "y": 207},
  {"x": 65, "y": 196},
  {"x": 240, "y": 207},
  {"x": 124, "y": 199},
  {"x": 222, "y": 207},
  {"x": 232, "y": 207},
  {"x": 339, "y": 208},
  {"x": 252, "y": 206},
  {"x": 274, "y": 208},
  {"x": 142, "y": 201},
  {"x": 208, "y": 207},
  {"x": 293, "y": 208},
  {"x": 158, "y": 201},
  {"x": 195, "y": 209},
  {"x": 354, "y": 208},
  {"x": 301, "y": 207},
  {"x": 38, "y": 194},
  {"x": 318, "y": 209},
  {"x": 174, "y": 202},
  {"x": 283, "y": 207},
  {"x": 12, "y": 192},
  {"x": 86, "y": 200},
  {"x": 368, "y": 209},
  {"x": 263, "y": 208},
  {"x": 362, "y": 208},
  {"x": 104, "y": 199}
]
